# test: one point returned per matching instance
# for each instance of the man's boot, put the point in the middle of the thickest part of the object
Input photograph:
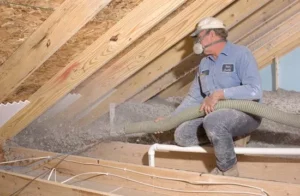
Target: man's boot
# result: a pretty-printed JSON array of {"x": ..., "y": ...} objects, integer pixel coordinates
[
  {"x": 242, "y": 141},
  {"x": 231, "y": 172}
]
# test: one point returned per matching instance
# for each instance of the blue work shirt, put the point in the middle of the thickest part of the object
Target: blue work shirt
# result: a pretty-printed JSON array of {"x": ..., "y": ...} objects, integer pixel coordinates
[{"x": 235, "y": 71}]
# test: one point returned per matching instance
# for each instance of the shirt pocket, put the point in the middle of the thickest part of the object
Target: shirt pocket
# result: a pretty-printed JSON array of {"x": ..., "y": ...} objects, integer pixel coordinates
[
  {"x": 203, "y": 76},
  {"x": 228, "y": 76}
]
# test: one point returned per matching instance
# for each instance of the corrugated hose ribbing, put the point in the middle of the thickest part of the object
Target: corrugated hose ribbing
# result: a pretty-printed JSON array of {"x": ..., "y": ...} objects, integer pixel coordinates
[{"x": 250, "y": 107}]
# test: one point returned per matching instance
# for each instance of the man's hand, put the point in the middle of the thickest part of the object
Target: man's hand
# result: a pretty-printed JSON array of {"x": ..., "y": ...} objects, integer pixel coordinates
[
  {"x": 209, "y": 102},
  {"x": 157, "y": 120}
]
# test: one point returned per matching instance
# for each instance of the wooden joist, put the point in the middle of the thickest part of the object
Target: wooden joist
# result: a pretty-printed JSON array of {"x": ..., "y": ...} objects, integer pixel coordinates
[
  {"x": 278, "y": 49},
  {"x": 285, "y": 28},
  {"x": 273, "y": 168},
  {"x": 178, "y": 87},
  {"x": 74, "y": 165},
  {"x": 145, "y": 16},
  {"x": 11, "y": 183},
  {"x": 171, "y": 32},
  {"x": 164, "y": 63},
  {"x": 270, "y": 48},
  {"x": 45, "y": 41},
  {"x": 270, "y": 17},
  {"x": 183, "y": 91},
  {"x": 188, "y": 66}
]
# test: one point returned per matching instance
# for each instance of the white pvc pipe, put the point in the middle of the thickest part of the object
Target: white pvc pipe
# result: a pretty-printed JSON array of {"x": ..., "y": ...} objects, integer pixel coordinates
[{"x": 238, "y": 150}]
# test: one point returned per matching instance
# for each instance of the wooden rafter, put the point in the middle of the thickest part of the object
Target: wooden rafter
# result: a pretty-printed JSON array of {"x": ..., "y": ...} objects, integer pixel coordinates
[
  {"x": 171, "y": 32},
  {"x": 45, "y": 41},
  {"x": 270, "y": 48},
  {"x": 274, "y": 168},
  {"x": 269, "y": 18},
  {"x": 145, "y": 16},
  {"x": 178, "y": 88},
  {"x": 167, "y": 79},
  {"x": 278, "y": 49},
  {"x": 74, "y": 165},
  {"x": 284, "y": 28}
]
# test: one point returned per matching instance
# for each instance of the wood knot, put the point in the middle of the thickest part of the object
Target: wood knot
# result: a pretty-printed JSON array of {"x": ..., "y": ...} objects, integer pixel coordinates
[
  {"x": 48, "y": 43},
  {"x": 114, "y": 38}
]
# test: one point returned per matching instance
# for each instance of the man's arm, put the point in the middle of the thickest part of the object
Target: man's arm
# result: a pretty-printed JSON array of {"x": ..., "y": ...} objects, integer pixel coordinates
[
  {"x": 193, "y": 97},
  {"x": 250, "y": 88}
]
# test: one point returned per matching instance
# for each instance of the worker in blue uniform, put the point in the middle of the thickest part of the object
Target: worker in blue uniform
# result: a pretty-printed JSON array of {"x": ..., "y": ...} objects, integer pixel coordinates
[{"x": 228, "y": 71}]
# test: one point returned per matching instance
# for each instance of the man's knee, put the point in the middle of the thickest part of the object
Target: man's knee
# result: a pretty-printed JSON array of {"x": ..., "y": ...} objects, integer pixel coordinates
[
  {"x": 187, "y": 133},
  {"x": 180, "y": 136},
  {"x": 213, "y": 125}
]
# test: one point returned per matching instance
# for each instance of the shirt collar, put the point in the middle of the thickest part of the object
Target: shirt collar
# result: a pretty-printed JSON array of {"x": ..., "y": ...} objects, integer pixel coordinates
[{"x": 225, "y": 50}]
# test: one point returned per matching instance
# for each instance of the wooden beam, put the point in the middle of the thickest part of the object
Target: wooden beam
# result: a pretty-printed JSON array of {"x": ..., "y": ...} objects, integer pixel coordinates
[
  {"x": 189, "y": 66},
  {"x": 240, "y": 11},
  {"x": 89, "y": 187},
  {"x": 163, "y": 64},
  {"x": 283, "y": 28},
  {"x": 45, "y": 41},
  {"x": 270, "y": 48},
  {"x": 273, "y": 168},
  {"x": 275, "y": 74},
  {"x": 74, "y": 165},
  {"x": 176, "y": 88},
  {"x": 183, "y": 91},
  {"x": 278, "y": 48},
  {"x": 170, "y": 33},
  {"x": 270, "y": 17},
  {"x": 12, "y": 182},
  {"x": 281, "y": 50},
  {"x": 145, "y": 15}
]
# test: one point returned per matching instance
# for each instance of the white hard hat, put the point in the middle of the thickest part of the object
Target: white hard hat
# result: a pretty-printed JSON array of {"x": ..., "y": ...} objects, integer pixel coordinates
[{"x": 208, "y": 23}]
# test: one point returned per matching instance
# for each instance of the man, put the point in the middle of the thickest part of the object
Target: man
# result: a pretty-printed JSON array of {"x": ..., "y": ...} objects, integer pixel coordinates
[{"x": 227, "y": 71}]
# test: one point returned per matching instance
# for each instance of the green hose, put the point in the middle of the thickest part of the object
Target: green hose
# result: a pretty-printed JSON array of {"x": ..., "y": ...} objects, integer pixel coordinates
[{"x": 250, "y": 107}]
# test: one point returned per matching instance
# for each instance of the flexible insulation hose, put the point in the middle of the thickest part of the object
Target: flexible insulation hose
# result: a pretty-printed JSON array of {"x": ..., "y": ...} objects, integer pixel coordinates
[{"x": 250, "y": 107}]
